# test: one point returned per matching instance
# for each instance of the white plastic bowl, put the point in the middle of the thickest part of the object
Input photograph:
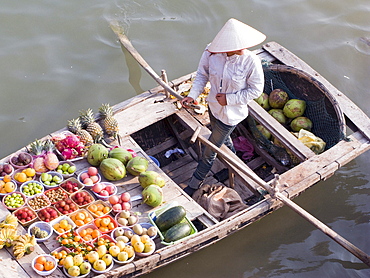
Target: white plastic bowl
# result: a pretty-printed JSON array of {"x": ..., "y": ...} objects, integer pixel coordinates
[
  {"x": 53, "y": 173},
  {"x": 44, "y": 272},
  {"x": 43, "y": 226},
  {"x": 124, "y": 228},
  {"x": 124, "y": 262},
  {"x": 32, "y": 181},
  {"x": 65, "y": 271},
  {"x": 104, "y": 271},
  {"x": 105, "y": 198},
  {"x": 87, "y": 186}
]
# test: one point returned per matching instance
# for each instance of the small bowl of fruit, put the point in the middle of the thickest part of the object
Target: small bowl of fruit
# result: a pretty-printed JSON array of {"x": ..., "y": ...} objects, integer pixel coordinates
[
  {"x": 21, "y": 160},
  {"x": 120, "y": 202},
  {"x": 56, "y": 194},
  {"x": 31, "y": 188},
  {"x": 89, "y": 177},
  {"x": 51, "y": 179},
  {"x": 103, "y": 190},
  {"x": 6, "y": 169},
  {"x": 38, "y": 201},
  {"x": 66, "y": 206},
  {"x": 66, "y": 168},
  {"x": 126, "y": 218},
  {"x": 71, "y": 185},
  {"x": 41, "y": 230},
  {"x": 24, "y": 175},
  {"x": 7, "y": 185},
  {"x": 44, "y": 264},
  {"x": 62, "y": 224},
  {"x": 25, "y": 215},
  {"x": 48, "y": 214},
  {"x": 14, "y": 200},
  {"x": 82, "y": 198}
]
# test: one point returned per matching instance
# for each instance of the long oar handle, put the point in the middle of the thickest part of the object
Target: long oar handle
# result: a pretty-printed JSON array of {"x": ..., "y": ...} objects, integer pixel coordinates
[
  {"x": 274, "y": 192},
  {"x": 136, "y": 55}
]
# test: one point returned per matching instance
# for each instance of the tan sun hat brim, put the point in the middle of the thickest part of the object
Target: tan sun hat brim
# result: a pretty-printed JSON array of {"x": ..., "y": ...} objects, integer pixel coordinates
[{"x": 235, "y": 35}]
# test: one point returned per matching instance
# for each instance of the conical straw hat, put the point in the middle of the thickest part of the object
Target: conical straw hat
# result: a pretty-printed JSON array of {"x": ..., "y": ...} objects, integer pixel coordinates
[{"x": 235, "y": 35}]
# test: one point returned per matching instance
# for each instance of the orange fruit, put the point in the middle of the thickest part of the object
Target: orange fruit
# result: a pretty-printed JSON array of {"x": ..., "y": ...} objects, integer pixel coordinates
[
  {"x": 106, "y": 210},
  {"x": 105, "y": 222},
  {"x": 30, "y": 172},
  {"x": 88, "y": 237},
  {"x": 65, "y": 241},
  {"x": 9, "y": 186},
  {"x": 85, "y": 213},
  {"x": 89, "y": 230},
  {"x": 79, "y": 223},
  {"x": 111, "y": 226},
  {"x": 39, "y": 266},
  {"x": 93, "y": 208},
  {"x": 100, "y": 206},
  {"x": 103, "y": 229},
  {"x": 7, "y": 178},
  {"x": 95, "y": 233},
  {"x": 77, "y": 238},
  {"x": 83, "y": 233},
  {"x": 97, "y": 222},
  {"x": 88, "y": 220},
  {"x": 63, "y": 223},
  {"x": 48, "y": 265},
  {"x": 41, "y": 260},
  {"x": 22, "y": 177},
  {"x": 80, "y": 216}
]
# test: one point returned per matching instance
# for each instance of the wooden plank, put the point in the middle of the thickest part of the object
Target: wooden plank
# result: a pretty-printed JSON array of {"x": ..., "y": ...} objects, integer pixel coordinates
[{"x": 353, "y": 112}]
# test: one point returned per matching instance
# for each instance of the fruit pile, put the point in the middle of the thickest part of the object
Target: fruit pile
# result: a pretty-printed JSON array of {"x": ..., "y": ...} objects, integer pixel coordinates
[
  {"x": 70, "y": 186},
  {"x": 66, "y": 169},
  {"x": 14, "y": 200},
  {"x": 126, "y": 218},
  {"x": 62, "y": 226},
  {"x": 66, "y": 206},
  {"x": 25, "y": 215},
  {"x": 82, "y": 198},
  {"x": 32, "y": 188},
  {"x": 120, "y": 202},
  {"x": 24, "y": 175},
  {"x": 47, "y": 214},
  {"x": 90, "y": 177},
  {"x": 50, "y": 179},
  {"x": 7, "y": 185},
  {"x": 104, "y": 189},
  {"x": 105, "y": 224},
  {"x": 81, "y": 217},
  {"x": 99, "y": 208},
  {"x": 6, "y": 169},
  {"x": 42, "y": 263},
  {"x": 56, "y": 194},
  {"x": 38, "y": 202},
  {"x": 89, "y": 233},
  {"x": 22, "y": 159}
]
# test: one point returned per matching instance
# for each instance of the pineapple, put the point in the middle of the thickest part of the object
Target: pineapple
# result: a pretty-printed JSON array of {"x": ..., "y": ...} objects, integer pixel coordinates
[
  {"x": 75, "y": 127},
  {"x": 109, "y": 123},
  {"x": 88, "y": 121}
]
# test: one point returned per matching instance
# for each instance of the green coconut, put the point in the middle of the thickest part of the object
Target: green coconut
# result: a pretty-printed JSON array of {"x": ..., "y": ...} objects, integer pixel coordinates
[
  {"x": 96, "y": 154},
  {"x": 263, "y": 101},
  {"x": 264, "y": 131},
  {"x": 112, "y": 169},
  {"x": 278, "y": 98},
  {"x": 151, "y": 177},
  {"x": 301, "y": 122},
  {"x": 121, "y": 154},
  {"x": 137, "y": 165},
  {"x": 152, "y": 195},
  {"x": 294, "y": 108},
  {"x": 278, "y": 114}
]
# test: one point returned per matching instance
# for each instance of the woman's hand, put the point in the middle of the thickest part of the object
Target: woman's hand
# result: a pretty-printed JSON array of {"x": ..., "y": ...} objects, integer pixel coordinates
[
  {"x": 221, "y": 98},
  {"x": 186, "y": 100}
]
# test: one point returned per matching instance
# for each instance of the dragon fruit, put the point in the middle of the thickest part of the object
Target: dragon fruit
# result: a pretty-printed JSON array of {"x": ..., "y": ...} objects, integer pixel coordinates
[{"x": 69, "y": 145}]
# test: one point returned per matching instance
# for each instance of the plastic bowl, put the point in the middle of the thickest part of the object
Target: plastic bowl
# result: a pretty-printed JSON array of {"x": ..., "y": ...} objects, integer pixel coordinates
[
  {"x": 23, "y": 166},
  {"x": 63, "y": 173},
  {"x": 53, "y": 173},
  {"x": 147, "y": 226},
  {"x": 48, "y": 258},
  {"x": 60, "y": 218},
  {"x": 65, "y": 271},
  {"x": 87, "y": 186},
  {"x": 104, "y": 271},
  {"x": 27, "y": 183},
  {"x": 112, "y": 234},
  {"x": 12, "y": 167},
  {"x": 15, "y": 173},
  {"x": 15, "y": 187},
  {"x": 6, "y": 197},
  {"x": 43, "y": 226},
  {"x": 116, "y": 261},
  {"x": 103, "y": 197},
  {"x": 117, "y": 216}
]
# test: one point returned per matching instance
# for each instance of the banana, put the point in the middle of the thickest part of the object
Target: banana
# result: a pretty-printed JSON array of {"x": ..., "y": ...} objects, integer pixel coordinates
[
  {"x": 24, "y": 245},
  {"x": 10, "y": 221}
]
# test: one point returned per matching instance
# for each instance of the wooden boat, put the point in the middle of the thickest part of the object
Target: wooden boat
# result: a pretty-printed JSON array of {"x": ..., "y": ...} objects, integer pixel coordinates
[{"x": 152, "y": 124}]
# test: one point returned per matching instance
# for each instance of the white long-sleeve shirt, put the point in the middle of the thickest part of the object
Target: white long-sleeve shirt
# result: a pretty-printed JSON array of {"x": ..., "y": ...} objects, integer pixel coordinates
[{"x": 240, "y": 77}]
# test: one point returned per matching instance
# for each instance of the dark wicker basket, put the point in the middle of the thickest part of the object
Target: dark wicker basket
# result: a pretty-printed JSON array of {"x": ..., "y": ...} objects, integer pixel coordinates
[{"x": 322, "y": 108}]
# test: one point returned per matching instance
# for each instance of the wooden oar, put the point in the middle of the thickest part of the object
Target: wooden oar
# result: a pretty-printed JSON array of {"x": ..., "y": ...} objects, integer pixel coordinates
[
  {"x": 118, "y": 30},
  {"x": 274, "y": 192}
]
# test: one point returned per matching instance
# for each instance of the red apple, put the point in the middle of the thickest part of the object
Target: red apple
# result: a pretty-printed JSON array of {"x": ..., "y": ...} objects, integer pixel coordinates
[
  {"x": 125, "y": 197},
  {"x": 110, "y": 188},
  {"x": 114, "y": 199},
  {"x": 104, "y": 193},
  {"x": 117, "y": 207},
  {"x": 92, "y": 171},
  {"x": 84, "y": 176},
  {"x": 126, "y": 206},
  {"x": 98, "y": 187}
]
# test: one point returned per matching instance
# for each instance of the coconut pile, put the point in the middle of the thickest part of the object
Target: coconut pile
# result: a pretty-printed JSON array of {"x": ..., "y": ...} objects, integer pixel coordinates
[{"x": 289, "y": 113}]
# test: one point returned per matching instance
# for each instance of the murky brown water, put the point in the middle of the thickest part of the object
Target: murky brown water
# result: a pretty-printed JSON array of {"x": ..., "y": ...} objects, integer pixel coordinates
[{"x": 59, "y": 57}]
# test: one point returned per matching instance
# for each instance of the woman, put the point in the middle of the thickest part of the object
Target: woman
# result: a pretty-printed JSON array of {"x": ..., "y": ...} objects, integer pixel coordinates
[{"x": 236, "y": 77}]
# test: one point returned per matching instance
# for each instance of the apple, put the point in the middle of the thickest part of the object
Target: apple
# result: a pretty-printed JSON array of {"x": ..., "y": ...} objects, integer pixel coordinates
[
  {"x": 114, "y": 199},
  {"x": 110, "y": 188},
  {"x": 84, "y": 176},
  {"x": 92, "y": 171},
  {"x": 98, "y": 187},
  {"x": 125, "y": 197},
  {"x": 104, "y": 193},
  {"x": 117, "y": 207},
  {"x": 126, "y": 206}
]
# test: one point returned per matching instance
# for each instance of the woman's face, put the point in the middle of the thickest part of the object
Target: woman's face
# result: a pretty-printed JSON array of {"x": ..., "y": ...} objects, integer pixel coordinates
[{"x": 236, "y": 52}]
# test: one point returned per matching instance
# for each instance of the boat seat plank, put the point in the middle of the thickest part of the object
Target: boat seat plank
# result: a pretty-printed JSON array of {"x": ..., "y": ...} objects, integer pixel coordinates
[{"x": 351, "y": 110}]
